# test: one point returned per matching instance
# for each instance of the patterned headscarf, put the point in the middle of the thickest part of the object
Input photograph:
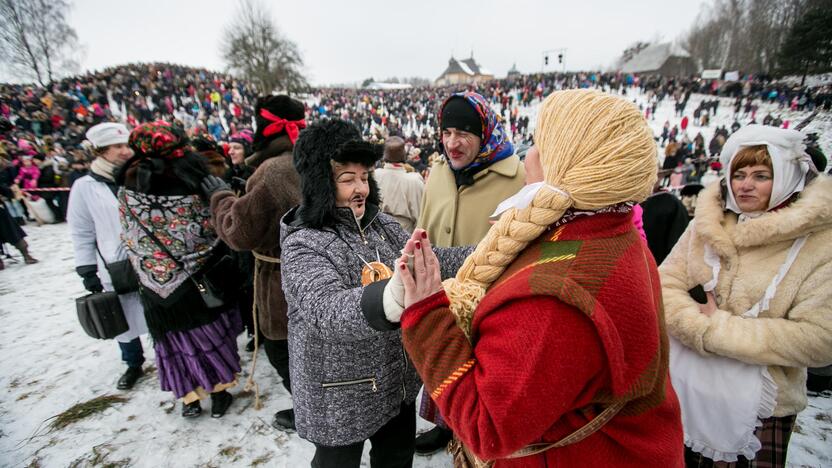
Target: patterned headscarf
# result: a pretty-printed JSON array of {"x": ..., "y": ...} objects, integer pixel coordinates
[
  {"x": 158, "y": 139},
  {"x": 496, "y": 144}
]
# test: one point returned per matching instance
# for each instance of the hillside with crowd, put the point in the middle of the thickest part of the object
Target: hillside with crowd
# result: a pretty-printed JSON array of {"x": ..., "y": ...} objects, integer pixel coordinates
[{"x": 42, "y": 128}]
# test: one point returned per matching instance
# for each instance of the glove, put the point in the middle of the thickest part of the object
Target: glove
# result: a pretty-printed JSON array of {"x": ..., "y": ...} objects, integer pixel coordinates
[
  {"x": 212, "y": 184},
  {"x": 393, "y": 296},
  {"x": 93, "y": 284},
  {"x": 89, "y": 275}
]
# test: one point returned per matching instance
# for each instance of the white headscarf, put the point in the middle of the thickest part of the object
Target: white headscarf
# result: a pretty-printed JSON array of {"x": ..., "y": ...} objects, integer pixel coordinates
[{"x": 789, "y": 160}]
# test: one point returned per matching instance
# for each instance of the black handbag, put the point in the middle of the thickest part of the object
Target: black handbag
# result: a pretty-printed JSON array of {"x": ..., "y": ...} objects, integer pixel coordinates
[
  {"x": 122, "y": 275},
  {"x": 101, "y": 315},
  {"x": 214, "y": 282}
]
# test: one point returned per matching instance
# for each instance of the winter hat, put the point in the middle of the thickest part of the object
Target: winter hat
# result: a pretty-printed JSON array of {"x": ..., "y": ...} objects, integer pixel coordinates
[
  {"x": 276, "y": 116},
  {"x": 596, "y": 150},
  {"x": 245, "y": 138},
  {"x": 321, "y": 144},
  {"x": 495, "y": 142},
  {"x": 716, "y": 166},
  {"x": 458, "y": 113},
  {"x": 789, "y": 160},
  {"x": 108, "y": 133},
  {"x": 158, "y": 139},
  {"x": 202, "y": 143}
]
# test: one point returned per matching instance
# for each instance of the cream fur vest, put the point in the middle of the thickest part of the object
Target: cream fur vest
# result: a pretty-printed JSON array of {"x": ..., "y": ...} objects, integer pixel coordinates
[{"x": 796, "y": 331}]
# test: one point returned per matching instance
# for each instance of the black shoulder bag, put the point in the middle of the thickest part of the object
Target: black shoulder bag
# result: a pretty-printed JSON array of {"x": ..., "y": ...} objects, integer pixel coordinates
[{"x": 122, "y": 274}]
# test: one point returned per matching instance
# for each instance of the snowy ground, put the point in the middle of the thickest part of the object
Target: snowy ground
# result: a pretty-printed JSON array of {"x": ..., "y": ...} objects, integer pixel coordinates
[{"x": 48, "y": 365}]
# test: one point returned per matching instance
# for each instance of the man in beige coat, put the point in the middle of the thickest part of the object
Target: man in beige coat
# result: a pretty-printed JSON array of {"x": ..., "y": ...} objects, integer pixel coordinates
[
  {"x": 478, "y": 171},
  {"x": 401, "y": 191}
]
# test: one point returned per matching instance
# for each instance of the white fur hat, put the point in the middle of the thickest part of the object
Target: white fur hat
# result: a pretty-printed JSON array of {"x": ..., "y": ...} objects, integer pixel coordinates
[{"x": 107, "y": 133}]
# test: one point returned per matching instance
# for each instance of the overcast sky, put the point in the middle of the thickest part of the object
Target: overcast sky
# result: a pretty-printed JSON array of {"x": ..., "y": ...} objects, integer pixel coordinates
[{"x": 347, "y": 41}]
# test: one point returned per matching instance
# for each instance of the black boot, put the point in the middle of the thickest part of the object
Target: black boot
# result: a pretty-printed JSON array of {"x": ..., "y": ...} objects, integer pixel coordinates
[
  {"x": 220, "y": 401},
  {"x": 129, "y": 378},
  {"x": 250, "y": 346},
  {"x": 284, "y": 420},
  {"x": 191, "y": 410},
  {"x": 433, "y": 440},
  {"x": 23, "y": 247}
]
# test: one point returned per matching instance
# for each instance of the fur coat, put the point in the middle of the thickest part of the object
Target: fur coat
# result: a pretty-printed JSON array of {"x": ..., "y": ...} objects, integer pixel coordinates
[
  {"x": 252, "y": 222},
  {"x": 796, "y": 331}
]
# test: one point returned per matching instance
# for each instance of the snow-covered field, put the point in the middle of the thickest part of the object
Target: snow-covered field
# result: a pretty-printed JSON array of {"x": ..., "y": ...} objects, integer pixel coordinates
[{"x": 48, "y": 364}]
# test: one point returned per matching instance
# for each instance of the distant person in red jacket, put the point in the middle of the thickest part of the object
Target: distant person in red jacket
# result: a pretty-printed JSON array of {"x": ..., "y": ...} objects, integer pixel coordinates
[
  {"x": 684, "y": 123},
  {"x": 549, "y": 348}
]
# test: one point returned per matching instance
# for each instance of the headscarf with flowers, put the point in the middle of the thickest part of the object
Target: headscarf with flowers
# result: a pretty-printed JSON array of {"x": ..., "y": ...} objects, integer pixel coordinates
[
  {"x": 496, "y": 143},
  {"x": 158, "y": 139}
]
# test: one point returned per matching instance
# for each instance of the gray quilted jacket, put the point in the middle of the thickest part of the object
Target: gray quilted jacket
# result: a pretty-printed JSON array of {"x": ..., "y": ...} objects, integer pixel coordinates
[{"x": 348, "y": 379}]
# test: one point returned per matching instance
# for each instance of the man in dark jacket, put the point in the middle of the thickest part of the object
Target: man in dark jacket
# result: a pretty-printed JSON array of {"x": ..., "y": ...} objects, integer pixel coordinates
[{"x": 251, "y": 222}]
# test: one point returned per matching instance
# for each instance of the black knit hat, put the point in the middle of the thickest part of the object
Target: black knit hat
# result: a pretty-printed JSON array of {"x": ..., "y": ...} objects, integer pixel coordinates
[
  {"x": 316, "y": 148},
  {"x": 458, "y": 113},
  {"x": 281, "y": 107}
]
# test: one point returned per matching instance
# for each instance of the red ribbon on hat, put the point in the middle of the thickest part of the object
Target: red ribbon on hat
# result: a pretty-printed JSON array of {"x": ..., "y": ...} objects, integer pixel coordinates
[{"x": 292, "y": 127}]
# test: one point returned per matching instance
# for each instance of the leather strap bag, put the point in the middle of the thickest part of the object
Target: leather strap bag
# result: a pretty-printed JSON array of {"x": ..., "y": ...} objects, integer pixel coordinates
[{"x": 464, "y": 458}]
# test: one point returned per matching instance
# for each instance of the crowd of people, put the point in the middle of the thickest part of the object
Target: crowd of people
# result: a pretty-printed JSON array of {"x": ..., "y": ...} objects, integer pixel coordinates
[{"x": 541, "y": 281}]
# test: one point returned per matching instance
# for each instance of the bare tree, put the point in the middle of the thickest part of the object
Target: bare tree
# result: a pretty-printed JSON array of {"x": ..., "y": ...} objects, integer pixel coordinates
[
  {"x": 35, "y": 39},
  {"x": 253, "y": 47},
  {"x": 744, "y": 35}
]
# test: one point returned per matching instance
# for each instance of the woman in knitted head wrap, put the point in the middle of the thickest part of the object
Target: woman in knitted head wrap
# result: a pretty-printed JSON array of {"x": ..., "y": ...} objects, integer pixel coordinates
[{"x": 548, "y": 348}]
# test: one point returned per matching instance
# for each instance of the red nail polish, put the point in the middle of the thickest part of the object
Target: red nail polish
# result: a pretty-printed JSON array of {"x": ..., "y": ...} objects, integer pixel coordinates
[
  {"x": 418, "y": 245},
  {"x": 424, "y": 235},
  {"x": 403, "y": 266}
]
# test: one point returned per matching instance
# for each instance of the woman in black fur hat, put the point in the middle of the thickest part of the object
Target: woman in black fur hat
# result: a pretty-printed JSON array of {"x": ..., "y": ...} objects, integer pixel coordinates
[{"x": 351, "y": 379}]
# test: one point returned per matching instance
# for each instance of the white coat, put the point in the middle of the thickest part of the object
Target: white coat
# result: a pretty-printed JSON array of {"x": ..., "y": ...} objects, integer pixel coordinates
[{"x": 93, "y": 217}]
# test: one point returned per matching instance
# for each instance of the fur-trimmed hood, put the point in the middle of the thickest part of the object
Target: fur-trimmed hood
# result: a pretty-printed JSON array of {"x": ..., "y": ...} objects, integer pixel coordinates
[
  {"x": 810, "y": 212},
  {"x": 316, "y": 148}
]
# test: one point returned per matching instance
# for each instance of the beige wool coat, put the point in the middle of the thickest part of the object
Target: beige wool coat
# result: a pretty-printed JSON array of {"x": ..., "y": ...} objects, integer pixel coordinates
[
  {"x": 796, "y": 331},
  {"x": 401, "y": 193},
  {"x": 456, "y": 217}
]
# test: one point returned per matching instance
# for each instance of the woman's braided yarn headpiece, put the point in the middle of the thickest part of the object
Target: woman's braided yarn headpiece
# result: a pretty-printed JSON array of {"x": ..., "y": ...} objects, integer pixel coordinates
[{"x": 595, "y": 147}]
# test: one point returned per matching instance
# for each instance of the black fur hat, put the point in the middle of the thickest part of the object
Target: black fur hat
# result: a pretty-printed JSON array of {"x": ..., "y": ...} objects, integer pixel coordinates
[
  {"x": 316, "y": 148},
  {"x": 281, "y": 106}
]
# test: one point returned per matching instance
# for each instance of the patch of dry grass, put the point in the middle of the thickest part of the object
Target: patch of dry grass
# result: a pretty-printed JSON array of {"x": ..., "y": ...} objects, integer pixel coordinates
[{"x": 84, "y": 410}]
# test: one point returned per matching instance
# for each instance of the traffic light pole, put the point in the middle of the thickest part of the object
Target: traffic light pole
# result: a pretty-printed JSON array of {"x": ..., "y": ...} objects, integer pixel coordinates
[{"x": 546, "y": 55}]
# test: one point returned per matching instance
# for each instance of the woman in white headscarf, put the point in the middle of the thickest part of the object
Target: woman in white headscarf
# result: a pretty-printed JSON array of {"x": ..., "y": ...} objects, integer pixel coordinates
[{"x": 757, "y": 260}]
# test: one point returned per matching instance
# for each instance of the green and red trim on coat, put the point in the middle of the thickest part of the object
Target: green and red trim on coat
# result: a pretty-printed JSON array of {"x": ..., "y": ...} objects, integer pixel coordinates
[{"x": 573, "y": 325}]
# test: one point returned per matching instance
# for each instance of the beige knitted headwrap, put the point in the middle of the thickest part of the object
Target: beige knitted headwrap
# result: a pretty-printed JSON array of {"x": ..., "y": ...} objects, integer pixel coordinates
[{"x": 594, "y": 146}]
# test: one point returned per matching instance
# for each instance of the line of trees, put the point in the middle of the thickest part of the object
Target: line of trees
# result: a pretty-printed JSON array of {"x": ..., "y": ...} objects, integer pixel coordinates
[{"x": 762, "y": 36}]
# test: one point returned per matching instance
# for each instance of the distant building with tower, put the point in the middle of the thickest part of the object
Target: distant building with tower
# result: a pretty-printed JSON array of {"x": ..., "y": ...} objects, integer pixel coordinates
[{"x": 463, "y": 72}]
